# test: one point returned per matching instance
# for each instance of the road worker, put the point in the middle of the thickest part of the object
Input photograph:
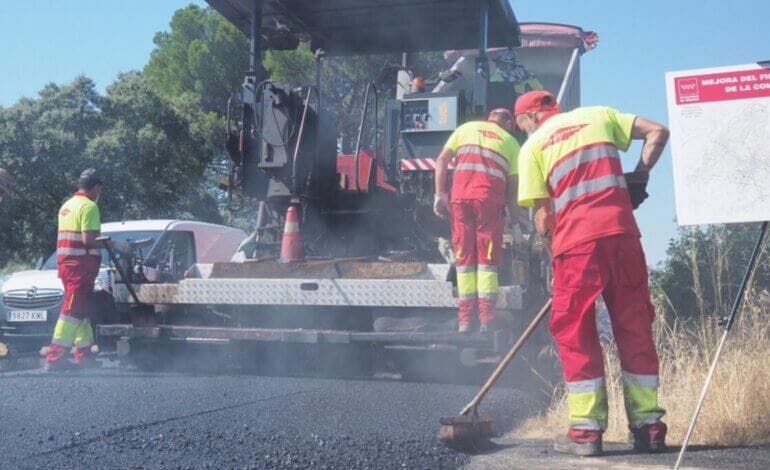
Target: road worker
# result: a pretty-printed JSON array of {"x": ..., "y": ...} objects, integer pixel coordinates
[
  {"x": 78, "y": 256},
  {"x": 570, "y": 170},
  {"x": 484, "y": 182}
]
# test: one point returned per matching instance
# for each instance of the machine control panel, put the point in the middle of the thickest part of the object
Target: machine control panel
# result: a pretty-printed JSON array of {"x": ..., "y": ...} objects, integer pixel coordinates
[{"x": 429, "y": 114}]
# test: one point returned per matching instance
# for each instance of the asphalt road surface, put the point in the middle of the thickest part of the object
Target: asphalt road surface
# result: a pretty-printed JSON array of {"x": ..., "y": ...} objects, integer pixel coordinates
[{"x": 118, "y": 418}]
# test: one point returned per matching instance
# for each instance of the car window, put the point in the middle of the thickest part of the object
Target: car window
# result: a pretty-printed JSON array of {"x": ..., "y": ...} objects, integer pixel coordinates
[
  {"x": 127, "y": 236},
  {"x": 174, "y": 252}
]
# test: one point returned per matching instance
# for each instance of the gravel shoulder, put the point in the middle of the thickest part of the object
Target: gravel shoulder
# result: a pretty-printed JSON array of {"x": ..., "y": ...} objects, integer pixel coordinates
[{"x": 510, "y": 453}]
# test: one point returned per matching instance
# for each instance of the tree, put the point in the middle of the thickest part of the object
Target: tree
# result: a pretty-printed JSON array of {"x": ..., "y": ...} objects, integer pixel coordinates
[
  {"x": 153, "y": 159},
  {"x": 152, "y": 155},
  {"x": 43, "y": 142},
  {"x": 704, "y": 267},
  {"x": 202, "y": 55}
]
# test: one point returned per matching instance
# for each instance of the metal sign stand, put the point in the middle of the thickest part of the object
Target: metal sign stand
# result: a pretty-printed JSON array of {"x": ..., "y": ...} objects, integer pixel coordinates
[{"x": 729, "y": 320}]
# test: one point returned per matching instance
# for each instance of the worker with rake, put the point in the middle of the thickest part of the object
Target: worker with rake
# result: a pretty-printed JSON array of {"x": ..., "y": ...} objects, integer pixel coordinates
[{"x": 570, "y": 170}]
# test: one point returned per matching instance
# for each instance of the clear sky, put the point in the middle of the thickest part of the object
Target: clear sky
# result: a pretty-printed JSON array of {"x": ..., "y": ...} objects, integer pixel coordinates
[{"x": 55, "y": 40}]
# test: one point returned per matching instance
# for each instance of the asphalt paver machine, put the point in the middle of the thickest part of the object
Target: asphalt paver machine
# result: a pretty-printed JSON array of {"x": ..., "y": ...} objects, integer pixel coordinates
[{"x": 375, "y": 276}]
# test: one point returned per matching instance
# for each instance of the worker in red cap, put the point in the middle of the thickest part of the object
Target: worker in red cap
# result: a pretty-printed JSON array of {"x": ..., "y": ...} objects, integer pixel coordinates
[
  {"x": 570, "y": 170},
  {"x": 484, "y": 182}
]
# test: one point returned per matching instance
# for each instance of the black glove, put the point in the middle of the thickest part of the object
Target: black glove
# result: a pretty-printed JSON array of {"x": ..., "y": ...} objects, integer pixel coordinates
[{"x": 637, "y": 187}]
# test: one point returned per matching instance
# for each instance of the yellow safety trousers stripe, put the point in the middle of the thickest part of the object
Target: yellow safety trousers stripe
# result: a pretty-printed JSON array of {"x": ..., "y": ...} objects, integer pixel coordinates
[
  {"x": 68, "y": 333},
  {"x": 466, "y": 283},
  {"x": 641, "y": 404},
  {"x": 471, "y": 282},
  {"x": 588, "y": 410}
]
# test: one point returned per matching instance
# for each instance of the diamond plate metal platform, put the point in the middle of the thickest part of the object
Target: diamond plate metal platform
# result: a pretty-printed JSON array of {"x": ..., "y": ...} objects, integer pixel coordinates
[{"x": 428, "y": 289}]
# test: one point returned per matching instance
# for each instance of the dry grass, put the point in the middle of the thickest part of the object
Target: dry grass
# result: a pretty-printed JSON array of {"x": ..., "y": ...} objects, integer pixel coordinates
[{"x": 737, "y": 407}]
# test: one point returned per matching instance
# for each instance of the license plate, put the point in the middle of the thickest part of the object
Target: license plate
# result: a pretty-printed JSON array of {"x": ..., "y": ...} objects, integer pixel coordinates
[{"x": 27, "y": 315}]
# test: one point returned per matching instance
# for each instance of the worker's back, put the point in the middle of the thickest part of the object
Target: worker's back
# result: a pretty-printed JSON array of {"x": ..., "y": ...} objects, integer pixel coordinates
[
  {"x": 77, "y": 215},
  {"x": 485, "y": 155},
  {"x": 578, "y": 155}
]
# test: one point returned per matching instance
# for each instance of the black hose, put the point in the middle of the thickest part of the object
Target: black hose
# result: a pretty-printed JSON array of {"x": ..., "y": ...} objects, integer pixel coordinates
[
  {"x": 301, "y": 134},
  {"x": 369, "y": 87}
]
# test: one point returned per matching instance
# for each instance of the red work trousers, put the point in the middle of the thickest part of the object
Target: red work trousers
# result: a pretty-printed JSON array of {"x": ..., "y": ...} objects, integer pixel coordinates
[
  {"x": 477, "y": 237},
  {"x": 615, "y": 268},
  {"x": 73, "y": 327}
]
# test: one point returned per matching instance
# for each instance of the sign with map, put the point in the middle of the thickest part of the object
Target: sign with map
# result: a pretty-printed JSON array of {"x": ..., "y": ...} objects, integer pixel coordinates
[{"x": 720, "y": 142}]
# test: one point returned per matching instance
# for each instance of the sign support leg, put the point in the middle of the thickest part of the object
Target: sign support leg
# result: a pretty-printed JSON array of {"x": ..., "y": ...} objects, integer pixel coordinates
[{"x": 728, "y": 324}]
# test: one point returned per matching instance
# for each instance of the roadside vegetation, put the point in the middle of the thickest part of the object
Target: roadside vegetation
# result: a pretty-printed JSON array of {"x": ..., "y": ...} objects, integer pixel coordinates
[{"x": 691, "y": 291}]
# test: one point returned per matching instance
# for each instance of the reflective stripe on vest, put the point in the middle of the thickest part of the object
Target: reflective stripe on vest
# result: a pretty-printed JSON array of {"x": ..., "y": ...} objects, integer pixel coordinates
[
  {"x": 72, "y": 224},
  {"x": 480, "y": 168},
  {"x": 570, "y": 163},
  {"x": 70, "y": 236},
  {"x": 586, "y": 187},
  {"x": 485, "y": 153}
]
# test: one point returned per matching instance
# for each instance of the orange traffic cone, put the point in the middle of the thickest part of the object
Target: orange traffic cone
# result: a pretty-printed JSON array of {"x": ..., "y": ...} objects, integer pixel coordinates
[{"x": 291, "y": 245}]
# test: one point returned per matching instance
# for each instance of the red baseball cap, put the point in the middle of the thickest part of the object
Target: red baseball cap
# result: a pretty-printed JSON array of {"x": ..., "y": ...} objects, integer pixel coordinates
[{"x": 534, "y": 101}]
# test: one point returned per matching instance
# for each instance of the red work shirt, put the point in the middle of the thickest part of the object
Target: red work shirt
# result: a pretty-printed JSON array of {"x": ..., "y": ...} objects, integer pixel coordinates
[
  {"x": 485, "y": 155},
  {"x": 573, "y": 159}
]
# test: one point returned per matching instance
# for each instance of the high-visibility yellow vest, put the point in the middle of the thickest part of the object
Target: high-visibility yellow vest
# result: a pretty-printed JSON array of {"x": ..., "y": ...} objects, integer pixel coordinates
[
  {"x": 79, "y": 214},
  {"x": 573, "y": 159},
  {"x": 485, "y": 156}
]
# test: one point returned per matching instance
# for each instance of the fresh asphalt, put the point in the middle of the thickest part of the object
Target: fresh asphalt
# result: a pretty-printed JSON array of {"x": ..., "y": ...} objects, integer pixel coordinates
[{"x": 121, "y": 418}]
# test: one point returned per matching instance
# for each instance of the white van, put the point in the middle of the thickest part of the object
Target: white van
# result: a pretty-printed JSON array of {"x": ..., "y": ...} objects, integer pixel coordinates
[{"x": 30, "y": 300}]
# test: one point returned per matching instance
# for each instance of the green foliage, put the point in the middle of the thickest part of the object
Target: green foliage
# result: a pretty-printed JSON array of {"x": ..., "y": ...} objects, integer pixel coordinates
[
  {"x": 152, "y": 157},
  {"x": 202, "y": 55},
  {"x": 43, "y": 142},
  {"x": 704, "y": 268}
]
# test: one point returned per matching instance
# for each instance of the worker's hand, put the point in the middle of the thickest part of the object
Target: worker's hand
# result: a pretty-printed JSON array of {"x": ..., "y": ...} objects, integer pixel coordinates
[
  {"x": 544, "y": 223},
  {"x": 637, "y": 187},
  {"x": 441, "y": 205}
]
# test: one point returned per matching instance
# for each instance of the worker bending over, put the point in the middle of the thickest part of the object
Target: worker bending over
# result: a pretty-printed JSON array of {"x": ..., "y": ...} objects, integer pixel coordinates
[
  {"x": 570, "y": 170},
  {"x": 78, "y": 256},
  {"x": 484, "y": 180}
]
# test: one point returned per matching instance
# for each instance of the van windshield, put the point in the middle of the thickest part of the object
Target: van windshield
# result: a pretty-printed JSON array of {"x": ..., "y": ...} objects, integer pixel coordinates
[{"x": 130, "y": 236}]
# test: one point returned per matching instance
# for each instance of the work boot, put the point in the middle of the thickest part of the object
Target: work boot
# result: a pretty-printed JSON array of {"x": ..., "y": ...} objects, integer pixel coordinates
[
  {"x": 62, "y": 365},
  {"x": 488, "y": 327},
  {"x": 650, "y": 438},
  {"x": 463, "y": 327},
  {"x": 565, "y": 445}
]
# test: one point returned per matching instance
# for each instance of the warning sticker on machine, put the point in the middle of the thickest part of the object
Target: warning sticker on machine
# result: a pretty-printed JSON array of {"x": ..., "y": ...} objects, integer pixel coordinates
[
  {"x": 720, "y": 143},
  {"x": 733, "y": 85}
]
